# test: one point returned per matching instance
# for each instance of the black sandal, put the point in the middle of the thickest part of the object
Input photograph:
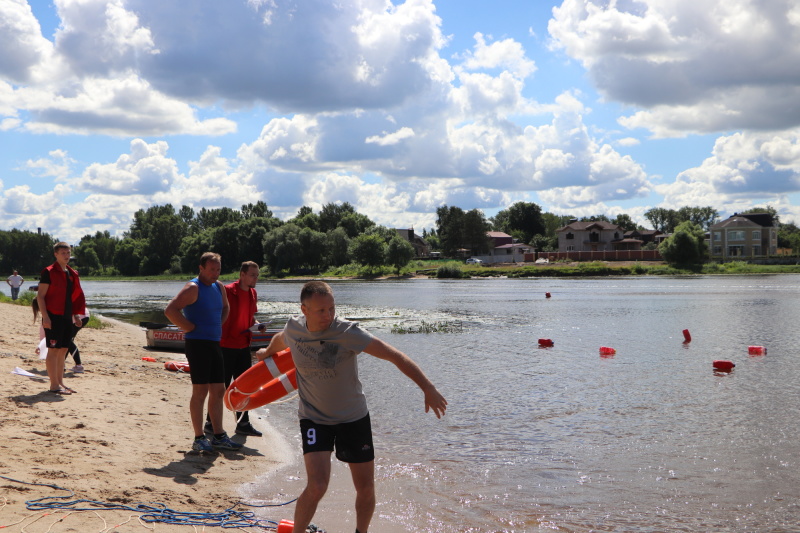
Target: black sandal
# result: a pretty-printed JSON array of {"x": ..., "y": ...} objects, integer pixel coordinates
[{"x": 61, "y": 391}]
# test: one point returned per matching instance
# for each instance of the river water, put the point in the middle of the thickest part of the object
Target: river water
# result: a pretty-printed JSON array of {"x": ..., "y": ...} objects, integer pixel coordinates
[{"x": 560, "y": 438}]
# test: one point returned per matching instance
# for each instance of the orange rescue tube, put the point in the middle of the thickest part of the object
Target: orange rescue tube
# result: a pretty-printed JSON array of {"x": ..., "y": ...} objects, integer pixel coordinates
[
  {"x": 177, "y": 366},
  {"x": 720, "y": 364},
  {"x": 150, "y": 359},
  {"x": 262, "y": 383},
  {"x": 687, "y": 337},
  {"x": 756, "y": 350}
]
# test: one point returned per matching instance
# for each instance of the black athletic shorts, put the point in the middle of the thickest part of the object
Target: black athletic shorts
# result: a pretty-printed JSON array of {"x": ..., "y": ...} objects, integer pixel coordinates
[
  {"x": 205, "y": 361},
  {"x": 351, "y": 440},
  {"x": 60, "y": 333}
]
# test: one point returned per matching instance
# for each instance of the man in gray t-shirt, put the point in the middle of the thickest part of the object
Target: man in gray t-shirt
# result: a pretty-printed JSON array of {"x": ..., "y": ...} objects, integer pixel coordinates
[{"x": 333, "y": 410}]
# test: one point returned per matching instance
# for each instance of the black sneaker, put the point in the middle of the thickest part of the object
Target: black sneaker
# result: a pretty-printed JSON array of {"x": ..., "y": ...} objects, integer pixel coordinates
[{"x": 248, "y": 430}]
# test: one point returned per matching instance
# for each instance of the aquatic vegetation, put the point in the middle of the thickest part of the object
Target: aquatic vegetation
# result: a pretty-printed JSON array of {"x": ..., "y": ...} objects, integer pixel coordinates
[{"x": 429, "y": 327}]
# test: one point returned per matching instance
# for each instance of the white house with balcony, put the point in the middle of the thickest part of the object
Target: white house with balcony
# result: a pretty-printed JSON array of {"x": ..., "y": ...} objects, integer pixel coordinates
[{"x": 743, "y": 236}]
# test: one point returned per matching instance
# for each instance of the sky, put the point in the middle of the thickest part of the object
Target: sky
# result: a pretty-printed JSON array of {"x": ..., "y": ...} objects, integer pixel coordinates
[{"x": 583, "y": 107}]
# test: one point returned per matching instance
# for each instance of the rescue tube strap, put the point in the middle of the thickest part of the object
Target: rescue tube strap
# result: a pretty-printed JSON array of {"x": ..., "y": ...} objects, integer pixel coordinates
[
  {"x": 272, "y": 367},
  {"x": 287, "y": 385}
]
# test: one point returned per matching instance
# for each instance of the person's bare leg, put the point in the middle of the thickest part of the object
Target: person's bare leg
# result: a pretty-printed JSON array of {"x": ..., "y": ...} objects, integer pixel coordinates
[
  {"x": 318, "y": 471},
  {"x": 196, "y": 404},
  {"x": 54, "y": 355},
  {"x": 364, "y": 482},
  {"x": 215, "y": 393}
]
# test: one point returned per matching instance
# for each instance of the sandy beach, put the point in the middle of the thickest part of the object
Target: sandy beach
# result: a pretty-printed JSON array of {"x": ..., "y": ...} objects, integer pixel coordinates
[{"x": 123, "y": 438}]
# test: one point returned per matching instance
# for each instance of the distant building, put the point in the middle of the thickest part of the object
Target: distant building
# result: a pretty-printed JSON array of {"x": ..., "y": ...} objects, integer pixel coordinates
[
  {"x": 594, "y": 236},
  {"x": 743, "y": 236},
  {"x": 644, "y": 235},
  {"x": 421, "y": 247}
]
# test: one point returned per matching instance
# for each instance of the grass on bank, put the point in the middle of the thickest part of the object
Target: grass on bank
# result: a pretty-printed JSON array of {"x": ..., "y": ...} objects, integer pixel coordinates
[{"x": 26, "y": 297}]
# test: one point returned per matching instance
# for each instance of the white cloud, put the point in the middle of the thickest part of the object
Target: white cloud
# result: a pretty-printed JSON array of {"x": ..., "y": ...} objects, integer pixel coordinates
[
  {"x": 744, "y": 169},
  {"x": 693, "y": 66},
  {"x": 57, "y": 165},
  {"x": 507, "y": 54},
  {"x": 146, "y": 170}
]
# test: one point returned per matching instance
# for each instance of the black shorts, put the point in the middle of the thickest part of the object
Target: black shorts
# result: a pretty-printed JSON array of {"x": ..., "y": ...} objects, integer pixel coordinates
[
  {"x": 60, "y": 333},
  {"x": 205, "y": 361},
  {"x": 352, "y": 440}
]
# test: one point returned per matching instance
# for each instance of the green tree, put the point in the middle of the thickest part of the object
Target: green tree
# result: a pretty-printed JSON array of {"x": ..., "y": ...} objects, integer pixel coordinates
[
  {"x": 475, "y": 228},
  {"x": 663, "y": 220},
  {"x": 26, "y": 251},
  {"x": 192, "y": 247},
  {"x": 625, "y": 222},
  {"x": 686, "y": 246},
  {"x": 704, "y": 217},
  {"x": 256, "y": 210},
  {"x": 128, "y": 256},
  {"x": 162, "y": 230},
  {"x": 338, "y": 244},
  {"x": 450, "y": 228},
  {"x": 399, "y": 252},
  {"x": 368, "y": 250},
  {"x": 522, "y": 220},
  {"x": 292, "y": 248}
]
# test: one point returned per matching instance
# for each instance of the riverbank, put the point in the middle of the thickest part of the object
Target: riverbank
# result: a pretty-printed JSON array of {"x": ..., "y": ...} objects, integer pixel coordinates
[{"x": 124, "y": 438}]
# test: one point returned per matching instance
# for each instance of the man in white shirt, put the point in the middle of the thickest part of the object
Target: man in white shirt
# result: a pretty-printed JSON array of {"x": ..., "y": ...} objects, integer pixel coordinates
[{"x": 15, "y": 281}]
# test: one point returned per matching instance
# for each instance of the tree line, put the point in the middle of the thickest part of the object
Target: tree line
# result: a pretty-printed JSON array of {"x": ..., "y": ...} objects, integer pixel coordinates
[{"x": 162, "y": 239}]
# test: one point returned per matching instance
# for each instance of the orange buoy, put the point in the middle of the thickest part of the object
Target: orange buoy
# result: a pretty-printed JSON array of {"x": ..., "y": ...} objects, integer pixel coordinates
[
  {"x": 285, "y": 526},
  {"x": 150, "y": 359},
  {"x": 262, "y": 383},
  {"x": 177, "y": 366},
  {"x": 547, "y": 295},
  {"x": 545, "y": 343},
  {"x": 756, "y": 350},
  {"x": 687, "y": 337},
  {"x": 725, "y": 366},
  {"x": 605, "y": 350}
]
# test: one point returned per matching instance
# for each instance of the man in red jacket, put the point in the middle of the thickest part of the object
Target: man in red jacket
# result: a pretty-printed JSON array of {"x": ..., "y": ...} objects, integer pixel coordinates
[
  {"x": 62, "y": 303},
  {"x": 235, "y": 343}
]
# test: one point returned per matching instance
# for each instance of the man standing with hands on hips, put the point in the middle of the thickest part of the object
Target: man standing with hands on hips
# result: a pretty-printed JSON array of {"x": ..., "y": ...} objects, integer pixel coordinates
[
  {"x": 333, "y": 410},
  {"x": 235, "y": 343},
  {"x": 200, "y": 309}
]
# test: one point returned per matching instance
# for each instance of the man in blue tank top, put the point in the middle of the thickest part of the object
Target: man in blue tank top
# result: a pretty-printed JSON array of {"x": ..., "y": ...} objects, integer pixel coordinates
[{"x": 199, "y": 310}]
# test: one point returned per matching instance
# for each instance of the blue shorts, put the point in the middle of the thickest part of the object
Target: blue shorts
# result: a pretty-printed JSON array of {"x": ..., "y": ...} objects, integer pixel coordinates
[
  {"x": 351, "y": 440},
  {"x": 205, "y": 361}
]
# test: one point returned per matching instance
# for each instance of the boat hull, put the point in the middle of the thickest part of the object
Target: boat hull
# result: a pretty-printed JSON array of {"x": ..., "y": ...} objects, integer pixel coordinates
[{"x": 171, "y": 338}]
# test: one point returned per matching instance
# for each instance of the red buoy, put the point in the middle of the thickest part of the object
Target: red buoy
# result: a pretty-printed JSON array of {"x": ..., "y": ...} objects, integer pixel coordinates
[
  {"x": 605, "y": 350},
  {"x": 756, "y": 350},
  {"x": 285, "y": 526},
  {"x": 687, "y": 337},
  {"x": 725, "y": 366},
  {"x": 547, "y": 295},
  {"x": 545, "y": 343}
]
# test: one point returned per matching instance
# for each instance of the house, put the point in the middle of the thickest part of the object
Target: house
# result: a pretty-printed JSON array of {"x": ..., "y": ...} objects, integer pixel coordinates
[
  {"x": 504, "y": 250},
  {"x": 741, "y": 236},
  {"x": 421, "y": 247},
  {"x": 644, "y": 235},
  {"x": 594, "y": 236}
]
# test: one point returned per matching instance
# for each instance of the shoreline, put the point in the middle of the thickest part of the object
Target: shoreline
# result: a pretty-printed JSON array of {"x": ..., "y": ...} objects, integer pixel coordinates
[{"x": 123, "y": 438}]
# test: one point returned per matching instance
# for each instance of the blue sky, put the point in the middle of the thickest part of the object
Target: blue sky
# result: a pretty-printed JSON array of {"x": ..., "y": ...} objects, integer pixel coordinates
[{"x": 584, "y": 107}]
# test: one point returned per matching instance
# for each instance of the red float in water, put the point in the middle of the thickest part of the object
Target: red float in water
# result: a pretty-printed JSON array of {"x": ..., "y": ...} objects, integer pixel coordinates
[
  {"x": 605, "y": 350},
  {"x": 687, "y": 337},
  {"x": 547, "y": 295},
  {"x": 723, "y": 365},
  {"x": 756, "y": 350},
  {"x": 545, "y": 343}
]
